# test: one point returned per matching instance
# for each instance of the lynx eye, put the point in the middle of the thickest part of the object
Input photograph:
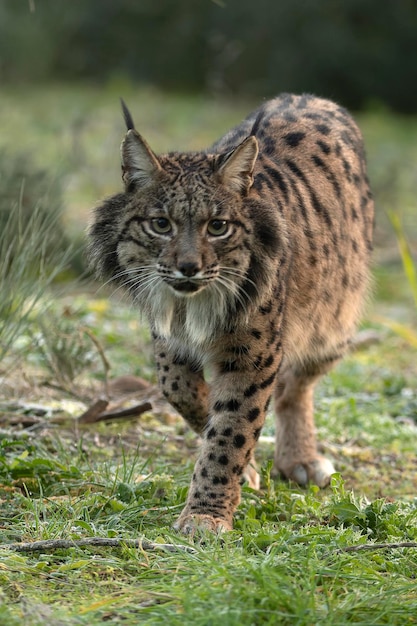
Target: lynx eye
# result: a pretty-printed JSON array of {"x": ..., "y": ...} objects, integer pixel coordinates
[
  {"x": 216, "y": 228},
  {"x": 161, "y": 225}
]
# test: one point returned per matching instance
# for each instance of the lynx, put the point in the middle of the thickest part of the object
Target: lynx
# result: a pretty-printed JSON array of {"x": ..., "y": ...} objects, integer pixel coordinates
[{"x": 250, "y": 258}]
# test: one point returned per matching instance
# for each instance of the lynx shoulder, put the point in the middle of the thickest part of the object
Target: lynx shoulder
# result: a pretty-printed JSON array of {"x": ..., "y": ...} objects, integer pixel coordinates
[{"x": 251, "y": 256}]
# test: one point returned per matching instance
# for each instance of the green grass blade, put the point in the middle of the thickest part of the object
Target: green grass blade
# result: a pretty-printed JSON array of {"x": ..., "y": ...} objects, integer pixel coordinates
[{"x": 405, "y": 252}]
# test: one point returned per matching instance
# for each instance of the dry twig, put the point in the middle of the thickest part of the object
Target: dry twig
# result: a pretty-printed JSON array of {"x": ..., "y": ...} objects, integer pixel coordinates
[
  {"x": 92, "y": 414},
  {"x": 96, "y": 412},
  {"x": 131, "y": 411},
  {"x": 65, "y": 544}
]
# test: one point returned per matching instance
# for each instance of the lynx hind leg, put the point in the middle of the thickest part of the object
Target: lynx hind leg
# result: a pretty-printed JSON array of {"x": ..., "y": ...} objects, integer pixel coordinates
[
  {"x": 251, "y": 475},
  {"x": 296, "y": 455}
]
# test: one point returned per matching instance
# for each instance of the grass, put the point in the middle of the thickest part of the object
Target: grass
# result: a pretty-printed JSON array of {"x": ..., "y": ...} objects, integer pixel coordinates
[
  {"x": 28, "y": 266},
  {"x": 409, "y": 265},
  {"x": 286, "y": 560}
]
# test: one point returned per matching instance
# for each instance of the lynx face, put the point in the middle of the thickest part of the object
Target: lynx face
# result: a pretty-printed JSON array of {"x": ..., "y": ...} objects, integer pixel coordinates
[
  {"x": 183, "y": 250},
  {"x": 252, "y": 257}
]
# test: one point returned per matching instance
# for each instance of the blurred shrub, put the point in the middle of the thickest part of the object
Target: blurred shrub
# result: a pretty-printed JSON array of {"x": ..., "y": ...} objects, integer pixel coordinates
[
  {"x": 356, "y": 51},
  {"x": 33, "y": 247},
  {"x": 24, "y": 189}
]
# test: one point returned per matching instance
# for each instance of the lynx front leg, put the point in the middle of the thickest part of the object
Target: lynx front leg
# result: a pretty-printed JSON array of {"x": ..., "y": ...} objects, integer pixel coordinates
[
  {"x": 238, "y": 405},
  {"x": 296, "y": 455},
  {"x": 183, "y": 385}
]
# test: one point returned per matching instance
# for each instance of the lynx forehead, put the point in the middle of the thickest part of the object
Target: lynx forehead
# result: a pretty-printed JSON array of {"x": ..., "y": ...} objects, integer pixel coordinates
[{"x": 251, "y": 256}]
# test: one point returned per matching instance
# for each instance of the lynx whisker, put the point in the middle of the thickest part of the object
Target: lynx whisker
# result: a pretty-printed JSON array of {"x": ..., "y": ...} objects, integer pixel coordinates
[
  {"x": 140, "y": 287},
  {"x": 239, "y": 274},
  {"x": 231, "y": 290},
  {"x": 238, "y": 290},
  {"x": 127, "y": 271}
]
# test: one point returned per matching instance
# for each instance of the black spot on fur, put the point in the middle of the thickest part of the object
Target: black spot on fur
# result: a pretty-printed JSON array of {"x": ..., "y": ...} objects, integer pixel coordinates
[
  {"x": 250, "y": 391},
  {"x": 293, "y": 139},
  {"x": 324, "y": 147},
  {"x": 253, "y": 414},
  {"x": 278, "y": 179},
  {"x": 266, "y": 309},
  {"x": 260, "y": 180},
  {"x": 257, "y": 362},
  {"x": 211, "y": 433},
  {"x": 318, "y": 207},
  {"x": 268, "y": 381},
  {"x": 323, "y": 129},
  {"x": 239, "y": 441},
  {"x": 232, "y": 405},
  {"x": 269, "y": 145}
]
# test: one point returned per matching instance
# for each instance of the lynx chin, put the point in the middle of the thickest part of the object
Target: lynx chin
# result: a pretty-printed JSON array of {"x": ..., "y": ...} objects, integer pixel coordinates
[{"x": 252, "y": 257}]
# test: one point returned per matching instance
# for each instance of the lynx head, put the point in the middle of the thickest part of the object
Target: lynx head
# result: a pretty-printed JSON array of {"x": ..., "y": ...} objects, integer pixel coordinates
[{"x": 179, "y": 238}]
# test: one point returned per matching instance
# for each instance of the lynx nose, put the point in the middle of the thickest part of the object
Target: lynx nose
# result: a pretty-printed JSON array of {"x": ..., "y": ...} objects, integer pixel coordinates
[{"x": 189, "y": 268}]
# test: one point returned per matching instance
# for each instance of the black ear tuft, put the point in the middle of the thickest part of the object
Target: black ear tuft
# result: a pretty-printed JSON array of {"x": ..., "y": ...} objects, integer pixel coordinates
[{"x": 127, "y": 116}]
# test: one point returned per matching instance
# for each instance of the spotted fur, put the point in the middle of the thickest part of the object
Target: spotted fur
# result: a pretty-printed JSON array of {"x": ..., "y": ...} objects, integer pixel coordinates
[{"x": 252, "y": 258}]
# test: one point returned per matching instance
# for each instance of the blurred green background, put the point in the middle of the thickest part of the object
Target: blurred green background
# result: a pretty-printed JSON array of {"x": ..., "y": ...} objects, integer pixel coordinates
[{"x": 361, "y": 52}]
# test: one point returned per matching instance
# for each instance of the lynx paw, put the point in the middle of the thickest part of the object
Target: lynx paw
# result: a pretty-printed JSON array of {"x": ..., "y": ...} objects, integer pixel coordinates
[
  {"x": 191, "y": 524},
  {"x": 317, "y": 471}
]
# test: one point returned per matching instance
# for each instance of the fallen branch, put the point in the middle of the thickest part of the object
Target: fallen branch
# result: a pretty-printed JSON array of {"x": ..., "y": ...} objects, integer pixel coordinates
[
  {"x": 22, "y": 420},
  {"x": 96, "y": 412},
  {"x": 378, "y": 546},
  {"x": 131, "y": 411},
  {"x": 91, "y": 414},
  {"x": 65, "y": 544}
]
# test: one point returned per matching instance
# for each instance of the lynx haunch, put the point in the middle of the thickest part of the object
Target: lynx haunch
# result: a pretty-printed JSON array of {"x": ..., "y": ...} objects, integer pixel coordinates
[{"x": 250, "y": 257}]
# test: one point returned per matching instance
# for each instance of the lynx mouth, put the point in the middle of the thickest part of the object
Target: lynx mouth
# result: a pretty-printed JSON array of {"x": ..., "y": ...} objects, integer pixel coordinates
[{"x": 186, "y": 286}]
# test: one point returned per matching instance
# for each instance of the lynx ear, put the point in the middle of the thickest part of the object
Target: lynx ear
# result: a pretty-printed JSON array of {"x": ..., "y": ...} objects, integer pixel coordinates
[
  {"x": 139, "y": 164},
  {"x": 236, "y": 167}
]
